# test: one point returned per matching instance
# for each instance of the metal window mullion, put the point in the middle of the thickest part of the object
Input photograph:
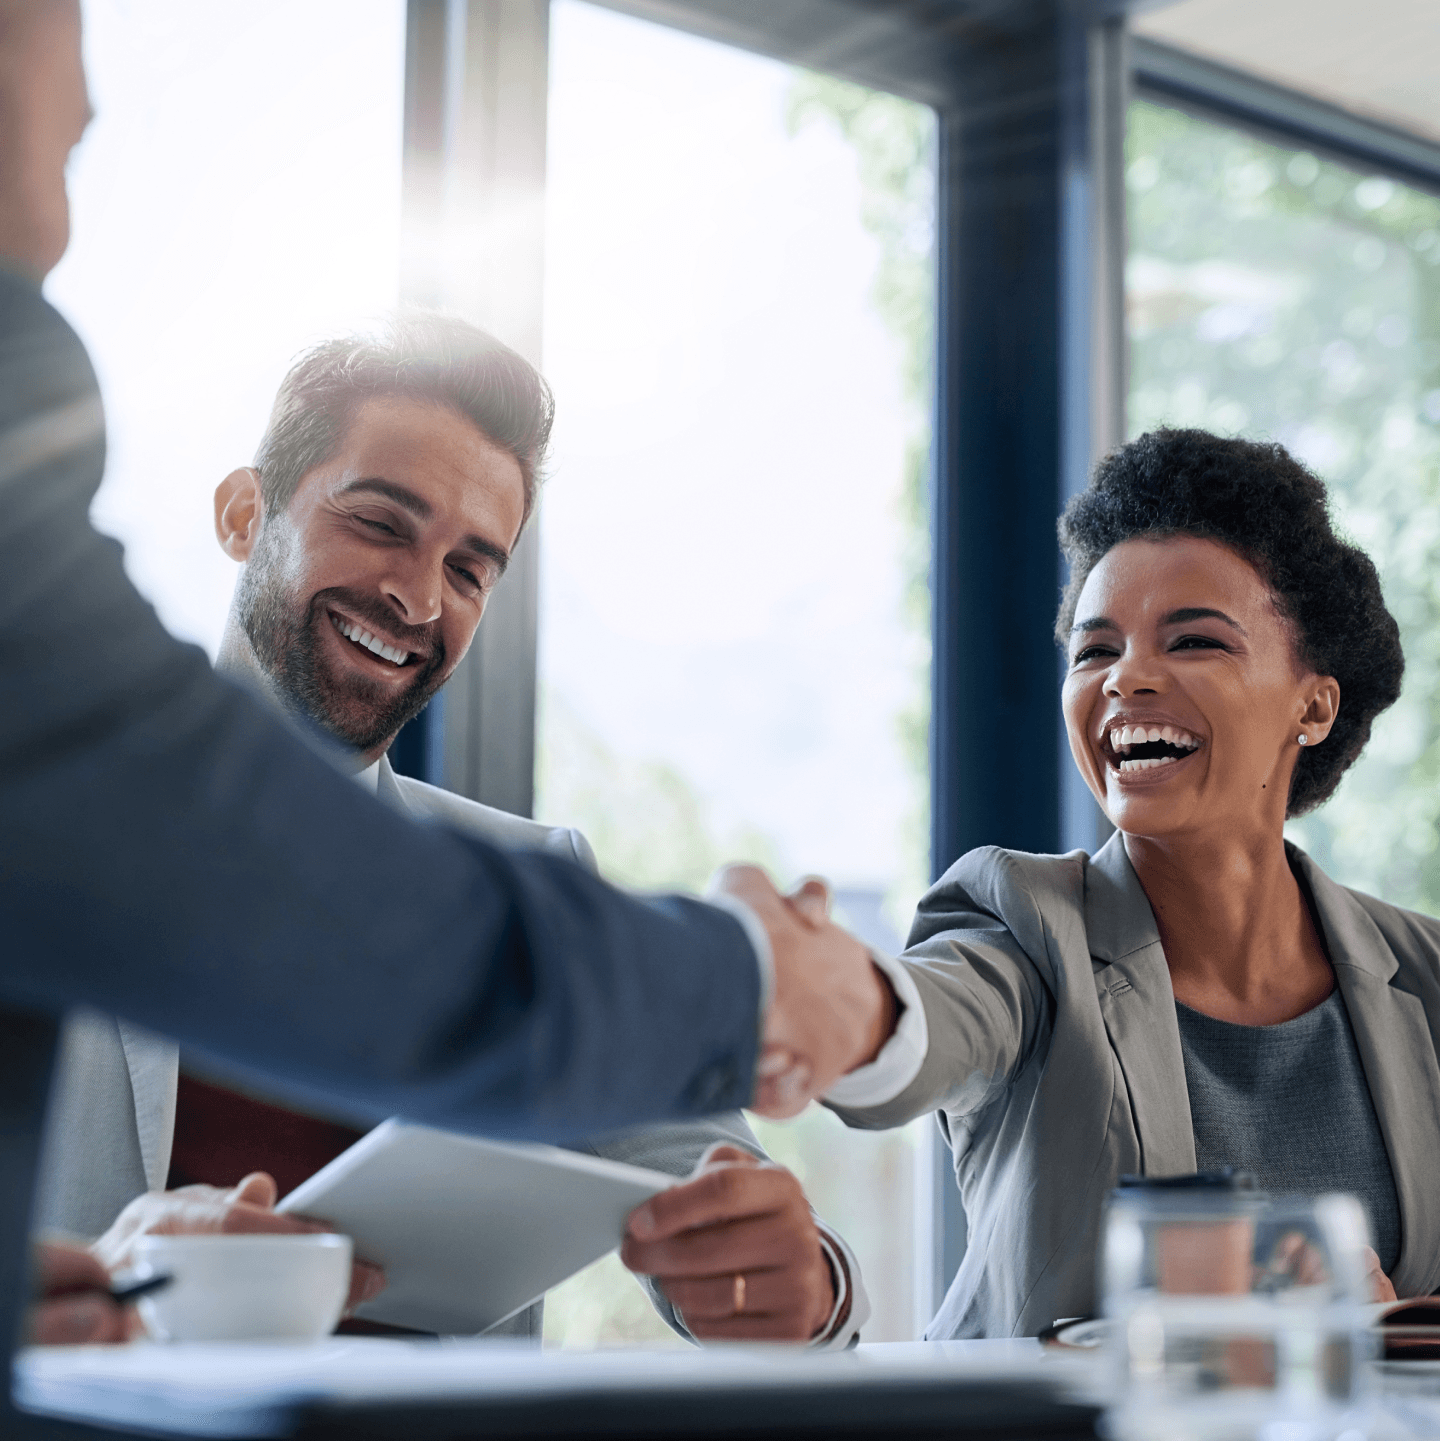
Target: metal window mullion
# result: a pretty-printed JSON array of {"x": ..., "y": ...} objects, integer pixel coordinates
[
  {"x": 1280, "y": 115},
  {"x": 473, "y": 244},
  {"x": 1030, "y": 387}
]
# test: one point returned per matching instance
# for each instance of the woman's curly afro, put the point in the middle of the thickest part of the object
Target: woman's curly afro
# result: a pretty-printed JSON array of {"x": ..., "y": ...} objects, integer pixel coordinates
[{"x": 1261, "y": 502}]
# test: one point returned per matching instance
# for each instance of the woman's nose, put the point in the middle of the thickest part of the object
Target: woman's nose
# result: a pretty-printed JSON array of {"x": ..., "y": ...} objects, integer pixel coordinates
[{"x": 1135, "y": 675}]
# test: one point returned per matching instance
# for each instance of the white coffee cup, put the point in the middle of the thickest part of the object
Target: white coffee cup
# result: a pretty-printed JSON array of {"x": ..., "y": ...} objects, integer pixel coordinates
[{"x": 245, "y": 1288}]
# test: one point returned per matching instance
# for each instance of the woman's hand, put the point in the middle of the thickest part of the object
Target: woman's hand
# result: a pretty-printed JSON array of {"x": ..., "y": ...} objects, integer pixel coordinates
[
  {"x": 1380, "y": 1286},
  {"x": 1295, "y": 1257},
  {"x": 73, "y": 1306},
  {"x": 245, "y": 1209},
  {"x": 736, "y": 1250}
]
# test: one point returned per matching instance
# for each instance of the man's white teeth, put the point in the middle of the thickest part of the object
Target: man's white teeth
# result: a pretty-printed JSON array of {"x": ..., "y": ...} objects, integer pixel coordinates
[
  {"x": 363, "y": 637},
  {"x": 1123, "y": 737}
]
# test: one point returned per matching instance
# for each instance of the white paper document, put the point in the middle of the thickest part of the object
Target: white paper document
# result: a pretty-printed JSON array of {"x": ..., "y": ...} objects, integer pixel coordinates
[
  {"x": 470, "y": 1231},
  {"x": 256, "y": 1389}
]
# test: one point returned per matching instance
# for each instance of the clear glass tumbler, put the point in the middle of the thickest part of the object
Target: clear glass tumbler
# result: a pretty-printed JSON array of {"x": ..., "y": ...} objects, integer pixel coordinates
[{"x": 1234, "y": 1315}]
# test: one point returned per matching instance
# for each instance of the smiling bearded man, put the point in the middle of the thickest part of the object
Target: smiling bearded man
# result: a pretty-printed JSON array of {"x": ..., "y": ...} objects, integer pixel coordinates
[
  {"x": 384, "y": 502},
  {"x": 383, "y": 505},
  {"x": 363, "y": 711}
]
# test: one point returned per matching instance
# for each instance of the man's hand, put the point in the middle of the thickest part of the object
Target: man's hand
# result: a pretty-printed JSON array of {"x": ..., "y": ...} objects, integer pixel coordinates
[
  {"x": 832, "y": 1010},
  {"x": 248, "y": 1208},
  {"x": 73, "y": 1305},
  {"x": 736, "y": 1251}
]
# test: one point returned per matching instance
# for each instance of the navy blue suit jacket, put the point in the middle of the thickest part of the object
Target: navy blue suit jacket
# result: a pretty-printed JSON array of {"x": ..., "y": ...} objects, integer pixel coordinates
[{"x": 170, "y": 852}]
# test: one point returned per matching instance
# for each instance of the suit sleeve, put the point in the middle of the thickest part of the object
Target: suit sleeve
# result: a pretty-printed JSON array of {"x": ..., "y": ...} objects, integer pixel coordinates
[
  {"x": 170, "y": 853},
  {"x": 583, "y": 852},
  {"x": 984, "y": 991}
]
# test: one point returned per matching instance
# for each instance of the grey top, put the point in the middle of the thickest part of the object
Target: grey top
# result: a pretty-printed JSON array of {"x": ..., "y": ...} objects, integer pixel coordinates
[{"x": 1290, "y": 1104}]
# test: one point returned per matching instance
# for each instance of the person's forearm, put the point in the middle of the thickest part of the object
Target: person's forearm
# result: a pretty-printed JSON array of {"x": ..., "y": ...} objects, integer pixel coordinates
[
  {"x": 404, "y": 970},
  {"x": 171, "y": 853},
  {"x": 894, "y": 1060}
]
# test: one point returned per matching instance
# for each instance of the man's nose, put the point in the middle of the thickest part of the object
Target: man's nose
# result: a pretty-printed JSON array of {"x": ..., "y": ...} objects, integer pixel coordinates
[{"x": 414, "y": 591}]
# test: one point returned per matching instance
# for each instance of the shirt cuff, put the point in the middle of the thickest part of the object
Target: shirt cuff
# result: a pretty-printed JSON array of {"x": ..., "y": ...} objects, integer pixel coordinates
[
  {"x": 759, "y": 943},
  {"x": 837, "y": 1334},
  {"x": 900, "y": 1057}
]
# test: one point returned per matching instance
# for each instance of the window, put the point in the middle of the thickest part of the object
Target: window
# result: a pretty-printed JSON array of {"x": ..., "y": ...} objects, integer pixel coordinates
[
  {"x": 734, "y": 619},
  {"x": 1273, "y": 293},
  {"x": 236, "y": 199}
]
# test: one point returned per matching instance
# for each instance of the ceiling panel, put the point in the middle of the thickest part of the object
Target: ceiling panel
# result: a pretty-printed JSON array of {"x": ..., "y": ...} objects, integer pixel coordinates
[{"x": 1380, "y": 59}]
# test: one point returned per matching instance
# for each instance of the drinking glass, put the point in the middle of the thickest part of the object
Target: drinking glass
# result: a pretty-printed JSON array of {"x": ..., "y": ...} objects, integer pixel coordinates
[{"x": 1234, "y": 1315}]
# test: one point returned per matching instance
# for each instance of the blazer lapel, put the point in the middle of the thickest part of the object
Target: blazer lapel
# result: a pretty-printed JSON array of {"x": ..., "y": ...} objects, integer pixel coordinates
[
  {"x": 154, "y": 1066},
  {"x": 1393, "y": 1038},
  {"x": 1132, "y": 983}
]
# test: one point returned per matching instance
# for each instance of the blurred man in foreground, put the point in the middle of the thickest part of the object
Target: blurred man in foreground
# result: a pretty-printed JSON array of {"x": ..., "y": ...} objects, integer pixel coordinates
[
  {"x": 372, "y": 528},
  {"x": 141, "y": 793}
]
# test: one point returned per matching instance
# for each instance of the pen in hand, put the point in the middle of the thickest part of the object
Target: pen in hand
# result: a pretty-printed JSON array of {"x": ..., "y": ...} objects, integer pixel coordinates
[
  {"x": 77, "y": 1302},
  {"x": 128, "y": 1291}
]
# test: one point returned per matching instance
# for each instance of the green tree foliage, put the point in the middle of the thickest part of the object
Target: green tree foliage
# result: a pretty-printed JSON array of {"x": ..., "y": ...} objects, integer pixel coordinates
[
  {"x": 894, "y": 143},
  {"x": 1274, "y": 294},
  {"x": 649, "y": 827}
]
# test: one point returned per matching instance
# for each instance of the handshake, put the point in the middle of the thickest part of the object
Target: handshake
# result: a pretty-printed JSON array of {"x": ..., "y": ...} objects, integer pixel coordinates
[{"x": 832, "y": 1009}]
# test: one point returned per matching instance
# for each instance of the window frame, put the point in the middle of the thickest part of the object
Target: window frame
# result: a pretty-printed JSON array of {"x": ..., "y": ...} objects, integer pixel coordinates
[
  {"x": 1030, "y": 353},
  {"x": 1171, "y": 76},
  {"x": 1048, "y": 166}
]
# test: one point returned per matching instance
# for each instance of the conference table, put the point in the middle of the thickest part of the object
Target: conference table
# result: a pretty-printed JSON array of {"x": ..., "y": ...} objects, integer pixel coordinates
[
  {"x": 373, "y": 1389},
  {"x": 359, "y": 1388}
]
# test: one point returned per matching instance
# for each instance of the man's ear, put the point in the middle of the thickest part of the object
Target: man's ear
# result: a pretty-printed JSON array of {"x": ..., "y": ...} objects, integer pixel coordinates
[{"x": 239, "y": 511}]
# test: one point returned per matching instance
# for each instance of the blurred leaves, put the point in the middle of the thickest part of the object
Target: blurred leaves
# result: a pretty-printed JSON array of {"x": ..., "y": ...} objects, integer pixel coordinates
[
  {"x": 648, "y": 825},
  {"x": 650, "y": 828},
  {"x": 604, "y": 1305},
  {"x": 1275, "y": 294}
]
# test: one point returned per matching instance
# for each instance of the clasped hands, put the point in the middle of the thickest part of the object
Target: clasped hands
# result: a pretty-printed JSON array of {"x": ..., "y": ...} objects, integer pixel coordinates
[{"x": 832, "y": 1010}]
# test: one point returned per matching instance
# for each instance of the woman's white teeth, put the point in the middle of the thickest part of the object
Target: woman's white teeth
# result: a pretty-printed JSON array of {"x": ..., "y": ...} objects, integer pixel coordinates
[
  {"x": 1123, "y": 737},
  {"x": 363, "y": 637},
  {"x": 1145, "y": 765}
]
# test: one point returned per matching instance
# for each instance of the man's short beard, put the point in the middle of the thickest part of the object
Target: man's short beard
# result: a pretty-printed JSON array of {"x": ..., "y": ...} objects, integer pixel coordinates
[{"x": 285, "y": 636}]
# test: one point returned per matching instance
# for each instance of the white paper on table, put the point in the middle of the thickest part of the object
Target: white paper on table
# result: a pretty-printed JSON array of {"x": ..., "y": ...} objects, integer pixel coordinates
[
  {"x": 470, "y": 1231},
  {"x": 253, "y": 1389}
]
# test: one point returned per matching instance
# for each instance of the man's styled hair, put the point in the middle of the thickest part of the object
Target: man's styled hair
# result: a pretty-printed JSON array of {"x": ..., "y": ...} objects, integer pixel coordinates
[{"x": 417, "y": 356}]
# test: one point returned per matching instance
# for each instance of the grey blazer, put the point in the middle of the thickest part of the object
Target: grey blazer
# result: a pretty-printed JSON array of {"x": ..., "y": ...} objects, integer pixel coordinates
[
  {"x": 1054, "y": 1062},
  {"x": 112, "y": 1110}
]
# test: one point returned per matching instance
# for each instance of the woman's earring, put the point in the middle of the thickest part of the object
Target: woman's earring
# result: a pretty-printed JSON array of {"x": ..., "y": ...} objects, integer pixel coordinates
[{"x": 1303, "y": 739}]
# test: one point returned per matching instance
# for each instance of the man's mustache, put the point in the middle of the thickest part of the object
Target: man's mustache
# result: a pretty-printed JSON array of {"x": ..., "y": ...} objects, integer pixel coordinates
[{"x": 424, "y": 642}]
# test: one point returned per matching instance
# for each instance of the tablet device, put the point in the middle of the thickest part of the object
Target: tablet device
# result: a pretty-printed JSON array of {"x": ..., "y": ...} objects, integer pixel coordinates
[{"x": 469, "y": 1231}]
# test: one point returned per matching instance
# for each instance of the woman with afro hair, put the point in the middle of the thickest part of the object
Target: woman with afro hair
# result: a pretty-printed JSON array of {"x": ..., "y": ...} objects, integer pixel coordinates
[{"x": 1198, "y": 994}]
